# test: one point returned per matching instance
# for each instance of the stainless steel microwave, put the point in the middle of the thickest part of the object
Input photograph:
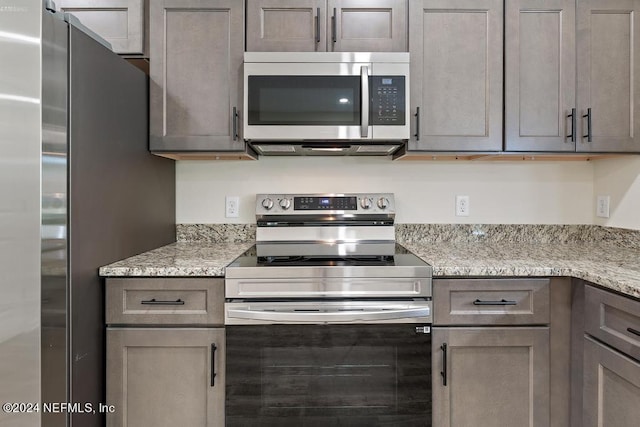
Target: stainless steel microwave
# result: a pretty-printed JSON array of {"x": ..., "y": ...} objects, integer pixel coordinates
[{"x": 306, "y": 102}]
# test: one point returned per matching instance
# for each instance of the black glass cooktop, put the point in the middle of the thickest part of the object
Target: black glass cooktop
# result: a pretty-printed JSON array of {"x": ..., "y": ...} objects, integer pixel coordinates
[{"x": 326, "y": 254}]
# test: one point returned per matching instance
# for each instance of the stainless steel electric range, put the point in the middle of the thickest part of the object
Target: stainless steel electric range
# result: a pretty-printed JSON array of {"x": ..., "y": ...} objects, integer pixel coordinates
[{"x": 328, "y": 319}]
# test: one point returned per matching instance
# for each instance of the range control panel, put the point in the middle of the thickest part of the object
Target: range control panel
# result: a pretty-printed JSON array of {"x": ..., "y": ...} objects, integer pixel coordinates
[
  {"x": 387, "y": 100},
  {"x": 313, "y": 204}
]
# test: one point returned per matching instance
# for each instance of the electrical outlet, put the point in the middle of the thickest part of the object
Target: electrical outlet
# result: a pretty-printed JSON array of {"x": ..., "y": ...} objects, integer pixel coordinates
[
  {"x": 602, "y": 206},
  {"x": 462, "y": 205},
  {"x": 232, "y": 206}
]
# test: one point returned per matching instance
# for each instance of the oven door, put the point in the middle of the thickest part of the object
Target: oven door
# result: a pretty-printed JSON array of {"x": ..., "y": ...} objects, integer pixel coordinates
[
  {"x": 329, "y": 375},
  {"x": 306, "y": 101}
]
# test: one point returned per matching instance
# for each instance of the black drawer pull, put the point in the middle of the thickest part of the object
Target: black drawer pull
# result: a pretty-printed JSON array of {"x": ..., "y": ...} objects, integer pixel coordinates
[
  {"x": 443, "y": 373},
  {"x": 634, "y": 331},
  {"x": 501, "y": 302},
  {"x": 213, "y": 364},
  {"x": 153, "y": 301}
]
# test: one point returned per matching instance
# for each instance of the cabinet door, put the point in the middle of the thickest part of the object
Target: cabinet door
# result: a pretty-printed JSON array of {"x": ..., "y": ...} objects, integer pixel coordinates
[
  {"x": 120, "y": 22},
  {"x": 609, "y": 75},
  {"x": 540, "y": 75},
  {"x": 196, "y": 59},
  {"x": 611, "y": 387},
  {"x": 495, "y": 377},
  {"x": 371, "y": 26},
  {"x": 456, "y": 74},
  {"x": 286, "y": 25},
  {"x": 165, "y": 377}
]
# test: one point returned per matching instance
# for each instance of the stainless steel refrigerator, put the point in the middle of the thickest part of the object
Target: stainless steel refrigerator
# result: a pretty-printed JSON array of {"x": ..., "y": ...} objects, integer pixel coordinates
[{"x": 78, "y": 189}]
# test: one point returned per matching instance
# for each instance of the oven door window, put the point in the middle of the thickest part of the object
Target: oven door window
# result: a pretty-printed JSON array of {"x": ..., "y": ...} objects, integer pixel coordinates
[
  {"x": 304, "y": 100},
  {"x": 352, "y": 375}
]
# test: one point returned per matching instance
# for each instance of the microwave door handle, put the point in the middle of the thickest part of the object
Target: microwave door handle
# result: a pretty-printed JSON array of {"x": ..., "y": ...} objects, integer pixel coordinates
[{"x": 364, "y": 82}]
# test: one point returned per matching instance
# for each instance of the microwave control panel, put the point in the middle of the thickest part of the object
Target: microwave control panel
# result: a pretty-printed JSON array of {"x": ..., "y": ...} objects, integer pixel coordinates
[{"x": 387, "y": 100}]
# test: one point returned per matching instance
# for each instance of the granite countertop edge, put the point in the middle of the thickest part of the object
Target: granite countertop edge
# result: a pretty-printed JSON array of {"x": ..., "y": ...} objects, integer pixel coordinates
[{"x": 602, "y": 266}]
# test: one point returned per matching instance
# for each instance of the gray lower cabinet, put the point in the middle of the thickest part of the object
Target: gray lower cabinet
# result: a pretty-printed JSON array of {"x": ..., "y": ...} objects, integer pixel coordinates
[
  {"x": 611, "y": 377},
  {"x": 165, "y": 352},
  {"x": 196, "y": 53},
  {"x": 611, "y": 387},
  {"x": 490, "y": 376},
  {"x": 120, "y": 22},
  {"x": 327, "y": 25},
  {"x": 165, "y": 377},
  {"x": 501, "y": 352},
  {"x": 456, "y": 49}
]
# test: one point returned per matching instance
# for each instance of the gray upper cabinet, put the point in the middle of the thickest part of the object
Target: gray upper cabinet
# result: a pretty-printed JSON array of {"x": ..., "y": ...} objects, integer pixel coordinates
[
  {"x": 608, "y": 75},
  {"x": 327, "y": 25},
  {"x": 196, "y": 62},
  {"x": 370, "y": 26},
  {"x": 286, "y": 25},
  {"x": 456, "y": 51},
  {"x": 540, "y": 75},
  {"x": 120, "y": 22},
  {"x": 567, "y": 58}
]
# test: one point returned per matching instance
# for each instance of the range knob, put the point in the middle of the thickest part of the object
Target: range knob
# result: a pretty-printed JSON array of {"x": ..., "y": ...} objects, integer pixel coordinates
[
  {"x": 383, "y": 203},
  {"x": 267, "y": 203},
  {"x": 285, "y": 204},
  {"x": 365, "y": 202}
]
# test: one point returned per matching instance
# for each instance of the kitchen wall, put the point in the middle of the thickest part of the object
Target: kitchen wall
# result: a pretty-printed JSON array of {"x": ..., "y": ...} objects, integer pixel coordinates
[
  {"x": 500, "y": 192},
  {"x": 619, "y": 178}
]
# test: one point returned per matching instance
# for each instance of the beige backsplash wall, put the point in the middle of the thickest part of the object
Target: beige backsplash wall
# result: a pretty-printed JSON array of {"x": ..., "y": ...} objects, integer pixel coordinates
[
  {"x": 500, "y": 192},
  {"x": 619, "y": 178}
]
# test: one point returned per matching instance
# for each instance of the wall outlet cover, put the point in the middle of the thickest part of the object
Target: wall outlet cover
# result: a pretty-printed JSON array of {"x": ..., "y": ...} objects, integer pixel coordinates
[
  {"x": 462, "y": 205},
  {"x": 602, "y": 206},
  {"x": 232, "y": 206}
]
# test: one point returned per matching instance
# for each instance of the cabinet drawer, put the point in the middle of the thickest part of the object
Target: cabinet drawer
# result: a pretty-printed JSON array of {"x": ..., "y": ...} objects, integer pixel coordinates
[
  {"x": 165, "y": 301},
  {"x": 491, "y": 301},
  {"x": 613, "y": 319}
]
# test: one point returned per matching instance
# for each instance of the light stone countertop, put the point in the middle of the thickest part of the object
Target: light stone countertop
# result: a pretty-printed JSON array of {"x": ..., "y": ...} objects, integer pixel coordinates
[
  {"x": 605, "y": 264},
  {"x": 180, "y": 259},
  {"x": 605, "y": 256}
]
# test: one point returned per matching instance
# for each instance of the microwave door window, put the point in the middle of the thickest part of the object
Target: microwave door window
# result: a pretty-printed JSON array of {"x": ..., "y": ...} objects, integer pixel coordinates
[{"x": 304, "y": 100}]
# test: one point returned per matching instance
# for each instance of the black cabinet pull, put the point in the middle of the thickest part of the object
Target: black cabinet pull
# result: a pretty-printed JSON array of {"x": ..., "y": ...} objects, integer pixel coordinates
[
  {"x": 634, "y": 331},
  {"x": 235, "y": 123},
  {"x": 154, "y": 301},
  {"x": 501, "y": 302},
  {"x": 443, "y": 373},
  {"x": 572, "y": 135},
  {"x": 213, "y": 364},
  {"x": 333, "y": 26},
  {"x": 589, "y": 133},
  {"x": 318, "y": 25},
  {"x": 417, "y": 135}
]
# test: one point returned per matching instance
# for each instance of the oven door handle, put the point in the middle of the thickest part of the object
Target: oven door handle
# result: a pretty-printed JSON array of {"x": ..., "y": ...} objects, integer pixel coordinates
[{"x": 311, "y": 316}]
